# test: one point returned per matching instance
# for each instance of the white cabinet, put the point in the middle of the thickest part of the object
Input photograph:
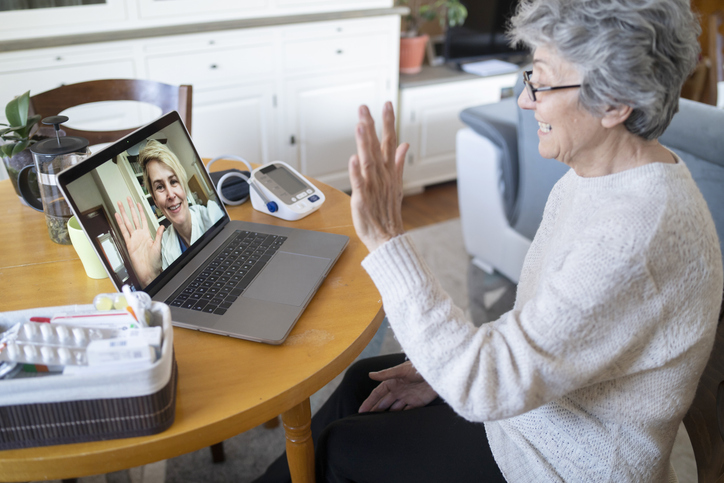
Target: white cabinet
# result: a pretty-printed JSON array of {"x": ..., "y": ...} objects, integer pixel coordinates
[
  {"x": 236, "y": 120},
  {"x": 234, "y": 88},
  {"x": 44, "y": 69},
  {"x": 330, "y": 70},
  {"x": 320, "y": 121},
  {"x": 61, "y": 19},
  {"x": 429, "y": 119},
  {"x": 287, "y": 92},
  {"x": 56, "y": 20}
]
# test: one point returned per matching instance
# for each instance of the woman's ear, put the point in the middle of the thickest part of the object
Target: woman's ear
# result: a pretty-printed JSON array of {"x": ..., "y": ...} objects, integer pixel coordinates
[{"x": 615, "y": 115}]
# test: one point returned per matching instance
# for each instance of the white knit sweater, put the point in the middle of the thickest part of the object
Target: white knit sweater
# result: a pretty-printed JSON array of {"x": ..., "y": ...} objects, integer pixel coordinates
[{"x": 589, "y": 376}]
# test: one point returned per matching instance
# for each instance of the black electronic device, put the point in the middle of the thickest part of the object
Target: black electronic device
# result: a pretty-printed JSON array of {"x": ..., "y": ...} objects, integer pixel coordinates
[{"x": 483, "y": 33}]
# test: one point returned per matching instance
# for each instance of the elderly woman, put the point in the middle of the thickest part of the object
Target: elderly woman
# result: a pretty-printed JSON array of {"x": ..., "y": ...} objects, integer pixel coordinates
[
  {"x": 165, "y": 179},
  {"x": 589, "y": 376}
]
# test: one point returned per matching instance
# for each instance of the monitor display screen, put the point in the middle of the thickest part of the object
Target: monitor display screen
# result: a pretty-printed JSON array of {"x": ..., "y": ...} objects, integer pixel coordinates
[{"x": 483, "y": 33}]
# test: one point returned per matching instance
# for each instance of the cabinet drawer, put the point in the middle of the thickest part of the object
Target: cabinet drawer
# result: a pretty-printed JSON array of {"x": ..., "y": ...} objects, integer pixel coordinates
[
  {"x": 41, "y": 80},
  {"x": 336, "y": 52},
  {"x": 214, "y": 66}
]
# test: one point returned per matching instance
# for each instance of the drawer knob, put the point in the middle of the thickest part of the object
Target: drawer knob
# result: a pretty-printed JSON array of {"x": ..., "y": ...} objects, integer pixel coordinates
[
  {"x": 214, "y": 66},
  {"x": 340, "y": 51}
]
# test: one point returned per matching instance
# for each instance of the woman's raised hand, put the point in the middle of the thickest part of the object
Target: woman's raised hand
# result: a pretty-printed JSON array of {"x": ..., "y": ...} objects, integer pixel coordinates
[
  {"x": 376, "y": 177},
  {"x": 144, "y": 251}
]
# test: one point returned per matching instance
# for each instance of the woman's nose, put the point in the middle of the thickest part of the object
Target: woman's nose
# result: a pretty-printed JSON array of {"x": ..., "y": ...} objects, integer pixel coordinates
[{"x": 524, "y": 101}]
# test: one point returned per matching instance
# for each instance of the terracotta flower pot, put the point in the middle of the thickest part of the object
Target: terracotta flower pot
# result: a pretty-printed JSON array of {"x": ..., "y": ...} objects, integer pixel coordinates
[{"x": 412, "y": 52}]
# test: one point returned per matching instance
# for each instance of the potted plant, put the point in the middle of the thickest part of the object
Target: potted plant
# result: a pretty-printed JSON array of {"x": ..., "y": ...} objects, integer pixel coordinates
[
  {"x": 450, "y": 13},
  {"x": 17, "y": 137}
]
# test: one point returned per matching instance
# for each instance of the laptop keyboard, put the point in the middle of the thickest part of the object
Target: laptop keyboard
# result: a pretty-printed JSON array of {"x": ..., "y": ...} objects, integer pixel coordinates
[{"x": 228, "y": 272}]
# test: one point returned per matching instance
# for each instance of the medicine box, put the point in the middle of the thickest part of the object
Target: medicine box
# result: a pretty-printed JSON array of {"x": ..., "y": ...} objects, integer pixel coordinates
[{"x": 77, "y": 407}]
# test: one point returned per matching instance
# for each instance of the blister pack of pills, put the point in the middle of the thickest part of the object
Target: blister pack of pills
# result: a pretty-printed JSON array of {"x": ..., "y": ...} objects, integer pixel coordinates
[{"x": 59, "y": 344}]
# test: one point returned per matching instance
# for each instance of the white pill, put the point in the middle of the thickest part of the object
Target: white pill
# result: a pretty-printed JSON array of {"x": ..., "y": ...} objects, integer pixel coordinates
[
  {"x": 63, "y": 333},
  {"x": 30, "y": 352},
  {"x": 64, "y": 355},
  {"x": 13, "y": 351},
  {"x": 48, "y": 353},
  {"x": 47, "y": 332},
  {"x": 30, "y": 331},
  {"x": 79, "y": 335}
]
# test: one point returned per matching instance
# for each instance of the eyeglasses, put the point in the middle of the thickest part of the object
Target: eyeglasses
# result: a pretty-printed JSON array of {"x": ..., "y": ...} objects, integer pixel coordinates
[{"x": 532, "y": 90}]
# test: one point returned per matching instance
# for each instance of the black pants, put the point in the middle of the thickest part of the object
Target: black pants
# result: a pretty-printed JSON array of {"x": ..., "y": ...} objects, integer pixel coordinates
[{"x": 430, "y": 444}]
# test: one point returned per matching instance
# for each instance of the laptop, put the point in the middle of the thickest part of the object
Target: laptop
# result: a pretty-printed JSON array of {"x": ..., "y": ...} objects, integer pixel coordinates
[{"x": 235, "y": 278}]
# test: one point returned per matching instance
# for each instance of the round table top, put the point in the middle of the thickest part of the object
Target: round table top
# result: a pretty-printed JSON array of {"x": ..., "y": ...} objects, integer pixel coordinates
[{"x": 225, "y": 386}]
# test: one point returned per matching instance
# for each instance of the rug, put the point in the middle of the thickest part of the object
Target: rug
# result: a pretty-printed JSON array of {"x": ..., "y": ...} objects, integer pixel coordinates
[{"x": 484, "y": 297}]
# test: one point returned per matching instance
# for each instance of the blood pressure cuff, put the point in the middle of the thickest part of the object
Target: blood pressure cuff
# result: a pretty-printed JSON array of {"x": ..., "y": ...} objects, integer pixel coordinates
[{"x": 234, "y": 188}]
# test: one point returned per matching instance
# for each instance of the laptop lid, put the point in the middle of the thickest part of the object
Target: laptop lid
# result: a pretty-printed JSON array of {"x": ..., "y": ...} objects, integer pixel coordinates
[
  {"x": 122, "y": 207},
  {"x": 116, "y": 203}
]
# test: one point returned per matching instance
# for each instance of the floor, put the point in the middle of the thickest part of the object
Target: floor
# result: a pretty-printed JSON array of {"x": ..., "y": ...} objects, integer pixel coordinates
[{"x": 437, "y": 203}]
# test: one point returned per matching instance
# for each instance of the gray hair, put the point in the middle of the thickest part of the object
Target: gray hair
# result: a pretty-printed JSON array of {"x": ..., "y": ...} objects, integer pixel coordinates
[{"x": 636, "y": 53}]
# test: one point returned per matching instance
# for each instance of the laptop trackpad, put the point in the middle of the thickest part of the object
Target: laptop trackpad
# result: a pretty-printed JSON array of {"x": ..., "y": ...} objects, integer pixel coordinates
[{"x": 288, "y": 279}]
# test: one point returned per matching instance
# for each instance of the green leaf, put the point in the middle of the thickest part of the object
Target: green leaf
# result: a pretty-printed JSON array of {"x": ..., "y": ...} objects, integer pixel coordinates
[
  {"x": 457, "y": 13},
  {"x": 33, "y": 120},
  {"x": 427, "y": 13},
  {"x": 7, "y": 149},
  {"x": 20, "y": 146},
  {"x": 17, "y": 110}
]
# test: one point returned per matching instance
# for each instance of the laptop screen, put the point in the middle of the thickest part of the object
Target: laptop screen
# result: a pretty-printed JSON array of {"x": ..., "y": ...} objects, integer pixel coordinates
[{"x": 147, "y": 203}]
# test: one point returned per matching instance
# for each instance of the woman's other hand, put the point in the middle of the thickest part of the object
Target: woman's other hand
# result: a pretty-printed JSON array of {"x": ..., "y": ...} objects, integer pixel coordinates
[
  {"x": 144, "y": 251},
  {"x": 376, "y": 178},
  {"x": 402, "y": 387}
]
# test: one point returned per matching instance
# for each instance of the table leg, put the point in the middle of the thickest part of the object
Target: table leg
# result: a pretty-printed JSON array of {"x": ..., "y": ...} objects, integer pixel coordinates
[{"x": 300, "y": 447}]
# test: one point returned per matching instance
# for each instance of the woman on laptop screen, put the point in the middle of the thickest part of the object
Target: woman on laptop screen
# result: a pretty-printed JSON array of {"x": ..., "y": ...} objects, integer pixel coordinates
[{"x": 165, "y": 179}]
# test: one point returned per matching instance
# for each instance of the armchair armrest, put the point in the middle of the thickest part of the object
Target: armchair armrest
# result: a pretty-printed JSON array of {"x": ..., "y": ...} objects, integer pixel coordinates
[{"x": 498, "y": 122}]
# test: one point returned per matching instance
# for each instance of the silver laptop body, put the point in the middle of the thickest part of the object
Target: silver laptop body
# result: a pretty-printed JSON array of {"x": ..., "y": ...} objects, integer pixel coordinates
[{"x": 246, "y": 280}]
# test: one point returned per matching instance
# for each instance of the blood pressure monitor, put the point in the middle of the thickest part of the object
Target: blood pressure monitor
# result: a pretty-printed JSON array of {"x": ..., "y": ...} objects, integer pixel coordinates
[{"x": 279, "y": 190}]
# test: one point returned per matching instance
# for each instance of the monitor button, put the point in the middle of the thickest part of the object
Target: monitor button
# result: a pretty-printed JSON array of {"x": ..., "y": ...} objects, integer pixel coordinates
[{"x": 313, "y": 198}]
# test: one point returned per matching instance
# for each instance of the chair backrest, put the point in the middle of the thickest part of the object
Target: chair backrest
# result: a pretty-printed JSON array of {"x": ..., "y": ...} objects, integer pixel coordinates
[
  {"x": 704, "y": 421},
  {"x": 695, "y": 134},
  {"x": 716, "y": 53},
  {"x": 167, "y": 97}
]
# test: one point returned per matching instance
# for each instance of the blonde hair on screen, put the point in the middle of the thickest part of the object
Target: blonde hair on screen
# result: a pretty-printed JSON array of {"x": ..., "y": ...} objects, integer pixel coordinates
[{"x": 155, "y": 151}]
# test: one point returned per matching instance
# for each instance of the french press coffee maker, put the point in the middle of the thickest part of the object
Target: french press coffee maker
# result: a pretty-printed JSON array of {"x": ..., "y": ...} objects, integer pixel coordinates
[{"x": 51, "y": 156}]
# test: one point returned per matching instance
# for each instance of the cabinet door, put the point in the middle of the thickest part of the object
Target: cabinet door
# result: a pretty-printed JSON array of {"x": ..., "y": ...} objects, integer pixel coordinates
[
  {"x": 236, "y": 120},
  {"x": 321, "y": 116},
  {"x": 233, "y": 89},
  {"x": 429, "y": 121},
  {"x": 41, "y": 19}
]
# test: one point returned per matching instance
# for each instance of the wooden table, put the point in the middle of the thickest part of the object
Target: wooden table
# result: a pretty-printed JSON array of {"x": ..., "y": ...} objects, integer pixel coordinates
[{"x": 226, "y": 386}]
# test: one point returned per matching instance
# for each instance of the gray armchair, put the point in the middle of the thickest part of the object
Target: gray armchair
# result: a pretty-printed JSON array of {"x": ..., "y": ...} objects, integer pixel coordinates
[{"x": 503, "y": 182}]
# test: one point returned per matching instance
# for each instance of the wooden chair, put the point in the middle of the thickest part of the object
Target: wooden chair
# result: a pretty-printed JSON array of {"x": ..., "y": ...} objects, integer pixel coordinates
[
  {"x": 716, "y": 53},
  {"x": 167, "y": 97},
  {"x": 695, "y": 87},
  {"x": 704, "y": 421}
]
